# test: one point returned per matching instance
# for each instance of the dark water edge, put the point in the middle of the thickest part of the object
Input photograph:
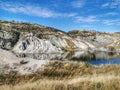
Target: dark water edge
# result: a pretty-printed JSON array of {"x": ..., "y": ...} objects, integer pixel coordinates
[{"x": 94, "y": 57}]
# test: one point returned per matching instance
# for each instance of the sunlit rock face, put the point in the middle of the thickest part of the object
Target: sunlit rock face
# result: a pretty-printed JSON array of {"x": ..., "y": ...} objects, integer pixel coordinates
[
  {"x": 33, "y": 38},
  {"x": 100, "y": 40},
  {"x": 9, "y": 62},
  {"x": 31, "y": 43}
]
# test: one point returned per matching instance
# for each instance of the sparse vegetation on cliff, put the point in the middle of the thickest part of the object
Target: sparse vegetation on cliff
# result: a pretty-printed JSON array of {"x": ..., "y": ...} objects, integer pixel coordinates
[{"x": 28, "y": 27}]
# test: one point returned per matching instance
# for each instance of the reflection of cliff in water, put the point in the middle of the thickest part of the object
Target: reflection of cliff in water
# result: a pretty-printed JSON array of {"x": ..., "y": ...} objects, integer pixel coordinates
[
  {"x": 87, "y": 55},
  {"x": 39, "y": 56},
  {"x": 74, "y": 55}
]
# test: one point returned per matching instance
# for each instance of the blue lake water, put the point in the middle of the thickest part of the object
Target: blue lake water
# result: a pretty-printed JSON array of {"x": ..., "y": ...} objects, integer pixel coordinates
[{"x": 100, "y": 62}]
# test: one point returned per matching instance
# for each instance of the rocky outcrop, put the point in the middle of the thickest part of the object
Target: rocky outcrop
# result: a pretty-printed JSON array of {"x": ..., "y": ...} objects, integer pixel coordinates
[
  {"x": 8, "y": 39},
  {"x": 30, "y": 43},
  {"x": 33, "y": 38},
  {"x": 98, "y": 39},
  {"x": 10, "y": 63}
]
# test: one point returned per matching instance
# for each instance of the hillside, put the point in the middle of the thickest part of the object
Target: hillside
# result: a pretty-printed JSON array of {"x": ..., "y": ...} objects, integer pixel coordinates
[
  {"x": 23, "y": 37},
  {"x": 98, "y": 39}
]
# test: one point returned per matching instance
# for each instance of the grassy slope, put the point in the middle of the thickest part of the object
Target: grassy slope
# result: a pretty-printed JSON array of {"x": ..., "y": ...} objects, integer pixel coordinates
[
  {"x": 28, "y": 27},
  {"x": 66, "y": 76}
]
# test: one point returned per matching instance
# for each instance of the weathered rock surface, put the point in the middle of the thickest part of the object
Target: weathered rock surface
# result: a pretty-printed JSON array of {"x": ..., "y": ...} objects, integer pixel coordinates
[
  {"x": 9, "y": 62},
  {"x": 8, "y": 39},
  {"x": 98, "y": 39},
  {"x": 33, "y": 38}
]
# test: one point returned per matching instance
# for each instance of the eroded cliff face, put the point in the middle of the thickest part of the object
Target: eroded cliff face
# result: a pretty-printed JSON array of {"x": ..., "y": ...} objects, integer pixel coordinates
[
  {"x": 33, "y": 38},
  {"x": 30, "y": 43},
  {"x": 106, "y": 41}
]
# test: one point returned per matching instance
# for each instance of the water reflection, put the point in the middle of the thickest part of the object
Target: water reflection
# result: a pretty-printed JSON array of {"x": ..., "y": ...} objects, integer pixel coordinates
[
  {"x": 39, "y": 56},
  {"x": 89, "y": 56}
]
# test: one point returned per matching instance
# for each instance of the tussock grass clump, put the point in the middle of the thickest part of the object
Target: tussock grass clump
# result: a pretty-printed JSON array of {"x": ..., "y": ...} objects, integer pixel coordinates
[{"x": 57, "y": 69}]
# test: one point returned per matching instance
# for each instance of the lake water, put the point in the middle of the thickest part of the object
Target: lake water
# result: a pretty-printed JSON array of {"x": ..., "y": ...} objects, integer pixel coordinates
[
  {"x": 92, "y": 57},
  {"x": 99, "y": 62}
]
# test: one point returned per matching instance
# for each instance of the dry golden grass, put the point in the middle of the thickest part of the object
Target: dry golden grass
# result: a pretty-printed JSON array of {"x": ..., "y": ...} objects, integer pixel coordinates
[
  {"x": 81, "y": 83},
  {"x": 66, "y": 76}
]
